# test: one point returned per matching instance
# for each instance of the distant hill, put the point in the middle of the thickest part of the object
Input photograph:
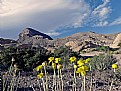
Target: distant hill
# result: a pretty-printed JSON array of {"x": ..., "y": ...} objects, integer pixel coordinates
[
  {"x": 85, "y": 40},
  {"x": 7, "y": 41}
]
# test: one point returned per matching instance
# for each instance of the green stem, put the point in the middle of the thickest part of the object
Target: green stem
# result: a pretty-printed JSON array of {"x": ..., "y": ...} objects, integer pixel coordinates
[
  {"x": 54, "y": 80},
  {"x": 46, "y": 78},
  {"x": 43, "y": 83},
  {"x": 91, "y": 77},
  {"x": 61, "y": 80},
  {"x": 59, "y": 85}
]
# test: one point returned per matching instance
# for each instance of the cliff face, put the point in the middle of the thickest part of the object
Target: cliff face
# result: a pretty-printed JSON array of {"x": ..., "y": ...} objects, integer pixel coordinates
[
  {"x": 29, "y": 33},
  {"x": 33, "y": 38}
]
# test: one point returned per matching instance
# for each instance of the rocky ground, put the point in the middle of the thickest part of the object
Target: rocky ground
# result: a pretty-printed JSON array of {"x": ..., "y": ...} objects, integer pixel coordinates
[{"x": 101, "y": 81}]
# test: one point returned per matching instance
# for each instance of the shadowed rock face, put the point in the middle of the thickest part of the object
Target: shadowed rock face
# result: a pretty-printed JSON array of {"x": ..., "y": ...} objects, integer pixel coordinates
[
  {"x": 6, "y": 41},
  {"x": 29, "y": 32}
]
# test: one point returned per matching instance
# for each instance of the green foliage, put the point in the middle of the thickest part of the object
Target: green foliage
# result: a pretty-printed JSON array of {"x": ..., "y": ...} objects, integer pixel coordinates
[
  {"x": 103, "y": 48},
  {"x": 26, "y": 59},
  {"x": 102, "y": 62},
  {"x": 64, "y": 52}
]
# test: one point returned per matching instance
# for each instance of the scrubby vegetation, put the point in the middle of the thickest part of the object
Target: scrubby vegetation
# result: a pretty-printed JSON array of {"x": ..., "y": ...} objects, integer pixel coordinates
[
  {"x": 103, "y": 48},
  {"x": 26, "y": 59}
]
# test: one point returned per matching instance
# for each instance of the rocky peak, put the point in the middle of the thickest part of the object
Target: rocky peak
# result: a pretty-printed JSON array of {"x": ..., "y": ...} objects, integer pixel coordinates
[{"x": 29, "y": 32}]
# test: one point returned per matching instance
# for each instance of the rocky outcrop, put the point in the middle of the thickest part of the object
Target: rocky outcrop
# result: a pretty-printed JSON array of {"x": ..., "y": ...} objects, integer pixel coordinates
[
  {"x": 84, "y": 40},
  {"x": 30, "y": 33},
  {"x": 72, "y": 44},
  {"x": 33, "y": 38},
  {"x": 116, "y": 41}
]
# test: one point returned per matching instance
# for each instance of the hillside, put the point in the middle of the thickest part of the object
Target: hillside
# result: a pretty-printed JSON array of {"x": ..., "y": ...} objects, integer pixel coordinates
[{"x": 84, "y": 40}]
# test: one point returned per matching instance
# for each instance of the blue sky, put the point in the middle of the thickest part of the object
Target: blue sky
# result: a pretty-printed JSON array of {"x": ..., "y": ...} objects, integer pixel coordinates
[{"x": 59, "y": 18}]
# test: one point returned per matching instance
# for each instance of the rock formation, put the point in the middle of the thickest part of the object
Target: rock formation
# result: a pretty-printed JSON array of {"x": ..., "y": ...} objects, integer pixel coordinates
[
  {"x": 33, "y": 38},
  {"x": 116, "y": 41},
  {"x": 29, "y": 33}
]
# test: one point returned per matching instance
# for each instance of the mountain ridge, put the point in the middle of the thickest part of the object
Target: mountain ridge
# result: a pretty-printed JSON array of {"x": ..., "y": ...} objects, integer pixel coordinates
[{"x": 77, "y": 41}]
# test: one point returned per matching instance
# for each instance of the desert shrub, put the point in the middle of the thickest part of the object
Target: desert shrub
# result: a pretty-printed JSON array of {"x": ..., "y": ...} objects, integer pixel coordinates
[
  {"x": 103, "y": 48},
  {"x": 64, "y": 52},
  {"x": 102, "y": 62},
  {"x": 27, "y": 59}
]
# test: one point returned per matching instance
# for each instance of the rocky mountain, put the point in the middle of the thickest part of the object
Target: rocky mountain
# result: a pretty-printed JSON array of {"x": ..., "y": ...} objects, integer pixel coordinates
[
  {"x": 33, "y": 37},
  {"x": 29, "y": 33}
]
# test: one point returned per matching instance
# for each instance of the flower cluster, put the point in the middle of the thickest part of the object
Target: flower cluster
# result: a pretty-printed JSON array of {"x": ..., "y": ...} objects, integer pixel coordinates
[
  {"x": 39, "y": 68},
  {"x": 55, "y": 62},
  {"x": 80, "y": 65},
  {"x": 72, "y": 59}
]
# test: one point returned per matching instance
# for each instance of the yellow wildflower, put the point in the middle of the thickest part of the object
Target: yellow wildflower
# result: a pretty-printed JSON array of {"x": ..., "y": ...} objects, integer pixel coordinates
[
  {"x": 51, "y": 59},
  {"x": 38, "y": 68},
  {"x": 57, "y": 60},
  {"x": 40, "y": 75},
  {"x": 80, "y": 62},
  {"x": 87, "y": 60},
  {"x": 86, "y": 68},
  {"x": 75, "y": 66},
  {"x": 72, "y": 59},
  {"x": 114, "y": 66},
  {"x": 79, "y": 70},
  {"x": 83, "y": 73},
  {"x": 82, "y": 68},
  {"x": 54, "y": 65},
  {"x": 59, "y": 66}
]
